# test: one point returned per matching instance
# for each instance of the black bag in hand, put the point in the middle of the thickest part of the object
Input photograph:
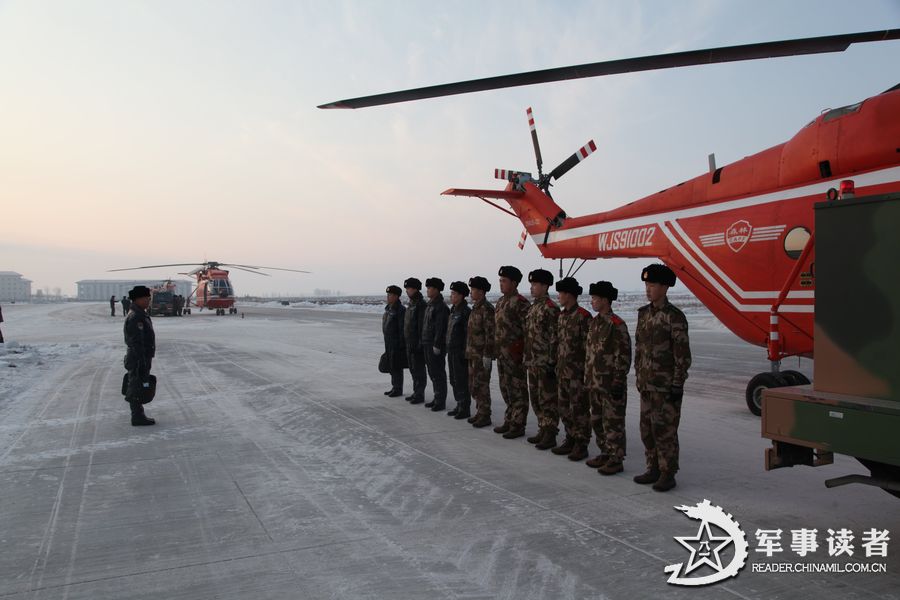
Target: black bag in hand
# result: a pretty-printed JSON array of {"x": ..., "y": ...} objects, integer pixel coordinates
[
  {"x": 148, "y": 390},
  {"x": 384, "y": 365}
]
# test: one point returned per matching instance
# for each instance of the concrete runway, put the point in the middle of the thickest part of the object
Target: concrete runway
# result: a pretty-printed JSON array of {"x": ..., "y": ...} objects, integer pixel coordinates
[{"x": 278, "y": 470}]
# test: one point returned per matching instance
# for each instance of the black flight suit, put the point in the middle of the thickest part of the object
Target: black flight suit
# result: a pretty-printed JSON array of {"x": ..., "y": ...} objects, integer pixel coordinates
[
  {"x": 415, "y": 353},
  {"x": 394, "y": 345},
  {"x": 434, "y": 345},
  {"x": 457, "y": 330},
  {"x": 141, "y": 342}
]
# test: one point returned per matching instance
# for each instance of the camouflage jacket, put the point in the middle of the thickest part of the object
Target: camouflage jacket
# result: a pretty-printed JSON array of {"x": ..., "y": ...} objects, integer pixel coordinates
[
  {"x": 509, "y": 317},
  {"x": 412, "y": 323},
  {"x": 392, "y": 327},
  {"x": 480, "y": 338},
  {"x": 541, "y": 333},
  {"x": 457, "y": 328},
  {"x": 608, "y": 351},
  {"x": 573, "y": 328},
  {"x": 434, "y": 326},
  {"x": 662, "y": 351}
]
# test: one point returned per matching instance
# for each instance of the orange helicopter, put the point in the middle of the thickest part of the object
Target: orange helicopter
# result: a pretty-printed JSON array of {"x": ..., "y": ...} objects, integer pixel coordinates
[
  {"x": 741, "y": 236},
  {"x": 214, "y": 289}
]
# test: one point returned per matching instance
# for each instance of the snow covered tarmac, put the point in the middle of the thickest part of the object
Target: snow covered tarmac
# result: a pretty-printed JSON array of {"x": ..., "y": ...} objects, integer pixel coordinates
[{"x": 278, "y": 470}]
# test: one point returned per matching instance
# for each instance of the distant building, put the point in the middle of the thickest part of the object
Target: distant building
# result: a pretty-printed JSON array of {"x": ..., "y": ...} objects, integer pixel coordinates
[
  {"x": 14, "y": 287},
  {"x": 102, "y": 289}
]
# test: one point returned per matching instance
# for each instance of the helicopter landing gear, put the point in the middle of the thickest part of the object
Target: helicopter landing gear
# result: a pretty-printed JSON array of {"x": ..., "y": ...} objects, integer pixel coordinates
[{"x": 774, "y": 379}]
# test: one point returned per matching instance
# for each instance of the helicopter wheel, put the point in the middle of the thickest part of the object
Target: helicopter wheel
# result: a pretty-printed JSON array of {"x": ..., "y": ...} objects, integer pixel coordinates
[
  {"x": 795, "y": 377},
  {"x": 760, "y": 382}
]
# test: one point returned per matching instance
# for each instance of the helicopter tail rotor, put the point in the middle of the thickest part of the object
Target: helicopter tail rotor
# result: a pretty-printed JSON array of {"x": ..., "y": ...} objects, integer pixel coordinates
[
  {"x": 535, "y": 143},
  {"x": 564, "y": 167}
]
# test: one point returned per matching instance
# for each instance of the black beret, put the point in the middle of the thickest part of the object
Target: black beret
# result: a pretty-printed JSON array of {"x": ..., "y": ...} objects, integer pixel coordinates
[
  {"x": 510, "y": 272},
  {"x": 435, "y": 282},
  {"x": 138, "y": 291},
  {"x": 569, "y": 285},
  {"x": 541, "y": 276},
  {"x": 460, "y": 288},
  {"x": 393, "y": 289},
  {"x": 412, "y": 282},
  {"x": 480, "y": 283},
  {"x": 658, "y": 273},
  {"x": 604, "y": 289}
]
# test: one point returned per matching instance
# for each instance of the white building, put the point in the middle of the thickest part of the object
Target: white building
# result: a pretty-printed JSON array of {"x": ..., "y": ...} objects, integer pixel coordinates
[
  {"x": 102, "y": 289},
  {"x": 14, "y": 287}
]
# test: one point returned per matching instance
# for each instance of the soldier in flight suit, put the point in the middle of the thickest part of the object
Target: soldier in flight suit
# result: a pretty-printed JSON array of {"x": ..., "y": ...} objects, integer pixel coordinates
[
  {"x": 434, "y": 341},
  {"x": 541, "y": 326},
  {"x": 608, "y": 360},
  {"x": 509, "y": 317},
  {"x": 480, "y": 350},
  {"x": 141, "y": 343},
  {"x": 412, "y": 331},
  {"x": 574, "y": 406},
  {"x": 457, "y": 328},
  {"x": 394, "y": 344},
  {"x": 662, "y": 357}
]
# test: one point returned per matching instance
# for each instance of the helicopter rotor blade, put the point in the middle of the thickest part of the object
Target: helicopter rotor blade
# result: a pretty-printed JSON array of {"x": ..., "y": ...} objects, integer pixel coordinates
[
  {"x": 249, "y": 270},
  {"x": 260, "y": 267},
  {"x": 815, "y": 45},
  {"x": 573, "y": 160},
  {"x": 534, "y": 141},
  {"x": 507, "y": 174},
  {"x": 156, "y": 266}
]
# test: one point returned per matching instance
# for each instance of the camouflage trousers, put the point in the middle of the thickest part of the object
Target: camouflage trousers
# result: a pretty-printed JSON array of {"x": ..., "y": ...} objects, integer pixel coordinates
[
  {"x": 459, "y": 379},
  {"x": 575, "y": 409},
  {"x": 514, "y": 389},
  {"x": 542, "y": 388},
  {"x": 608, "y": 422},
  {"x": 480, "y": 386},
  {"x": 659, "y": 430}
]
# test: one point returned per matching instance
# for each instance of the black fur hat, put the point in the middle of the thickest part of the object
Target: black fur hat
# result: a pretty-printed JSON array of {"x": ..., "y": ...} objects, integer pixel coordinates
[
  {"x": 460, "y": 288},
  {"x": 412, "y": 282},
  {"x": 480, "y": 283},
  {"x": 569, "y": 285},
  {"x": 138, "y": 291},
  {"x": 658, "y": 273},
  {"x": 511, "y": 273},
  {"x": 435, "y": 282},
  {"x": 541, "y": 276},
  {"x": 394, "y": 289},
  {"x": 604, "y": 289}
]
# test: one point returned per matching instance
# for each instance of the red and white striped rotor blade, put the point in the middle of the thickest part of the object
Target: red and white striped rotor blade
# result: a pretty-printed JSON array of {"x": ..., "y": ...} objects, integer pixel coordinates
[
  {"x": 505, "y": 174},
  {"x": 534, "y": 140},
  {"x": 573, "y": 160},
  {"x": 522, "y": 239}
]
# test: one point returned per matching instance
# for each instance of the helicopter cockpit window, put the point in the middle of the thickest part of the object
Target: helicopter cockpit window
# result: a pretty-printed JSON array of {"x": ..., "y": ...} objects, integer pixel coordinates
[
  {"x": 795, "y": 242},
  {"x": 840, "y": 112}
]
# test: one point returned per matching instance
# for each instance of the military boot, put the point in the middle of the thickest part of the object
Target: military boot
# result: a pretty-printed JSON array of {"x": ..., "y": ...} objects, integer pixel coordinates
[
  {"x": 417, "y": 401},
  {"x": 502, "y": 428},
  {"x": 138, "y": 418},
  {"x": 579, "y": 452},
  {"x": 462, "y": 413},
  {"x": 453, "y": 411},
  {"x": 514, "y": 432},
  {"x": 536, "y": 437},
  {"x": 473, "y": 418},
  {"x": 612, "y": 466},
  {"x": 438, "y": 407},
  {"x": 429, "y": 404},
  {"x": 598, "y": 461},
  {"x": 548, "y": 441},
  {"x": 394, "y": 393},
  {"x": 565, "y": 448},
  {"x": 651, "y": 475},
  {"x": 482, "y": 421},
  {"x": 411, "y": 397},
  {"x": 665, "y": 482}
]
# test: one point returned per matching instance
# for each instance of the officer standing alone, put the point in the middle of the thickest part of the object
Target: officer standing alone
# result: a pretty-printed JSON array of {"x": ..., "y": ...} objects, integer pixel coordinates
[
  {"x": 662, "y": 357},
  {"x": 112, "y": 306},
  {"x": 141, "y": 343}
]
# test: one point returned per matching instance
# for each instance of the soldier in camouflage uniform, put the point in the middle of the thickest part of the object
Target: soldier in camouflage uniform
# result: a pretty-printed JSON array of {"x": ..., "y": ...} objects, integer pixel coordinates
[
  {"x": 662, "y": 357},
  {"x": 434, "y": 341},
  {"x": 480, "y": 350},
  {"x": 574, "y": 407},
  {"x": 394, "y": 344},
  {"x": 510, "y": 346},
  {"x": 541, "y": 327},
  {"x": 457, "y": 328},
  {"x": 608, "y": 360},
  {"x": 412, "y": 332}
]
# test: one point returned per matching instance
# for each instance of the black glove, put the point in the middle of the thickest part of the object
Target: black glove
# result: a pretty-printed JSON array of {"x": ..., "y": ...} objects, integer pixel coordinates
[
  {"x": 676, "y": 394},
  {"x": 617, "y": 391}
]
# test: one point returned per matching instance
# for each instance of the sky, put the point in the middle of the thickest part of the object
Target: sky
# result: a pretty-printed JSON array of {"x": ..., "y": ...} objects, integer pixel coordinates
[{"x": 136, "y": 133}]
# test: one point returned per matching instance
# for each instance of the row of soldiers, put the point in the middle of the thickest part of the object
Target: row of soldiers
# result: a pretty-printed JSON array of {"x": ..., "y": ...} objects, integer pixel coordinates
[{"x": 573, "y": 367}]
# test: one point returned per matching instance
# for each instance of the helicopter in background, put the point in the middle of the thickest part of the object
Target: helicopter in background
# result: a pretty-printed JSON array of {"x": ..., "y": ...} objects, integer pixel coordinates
[{"x": 214, "y": 290}]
